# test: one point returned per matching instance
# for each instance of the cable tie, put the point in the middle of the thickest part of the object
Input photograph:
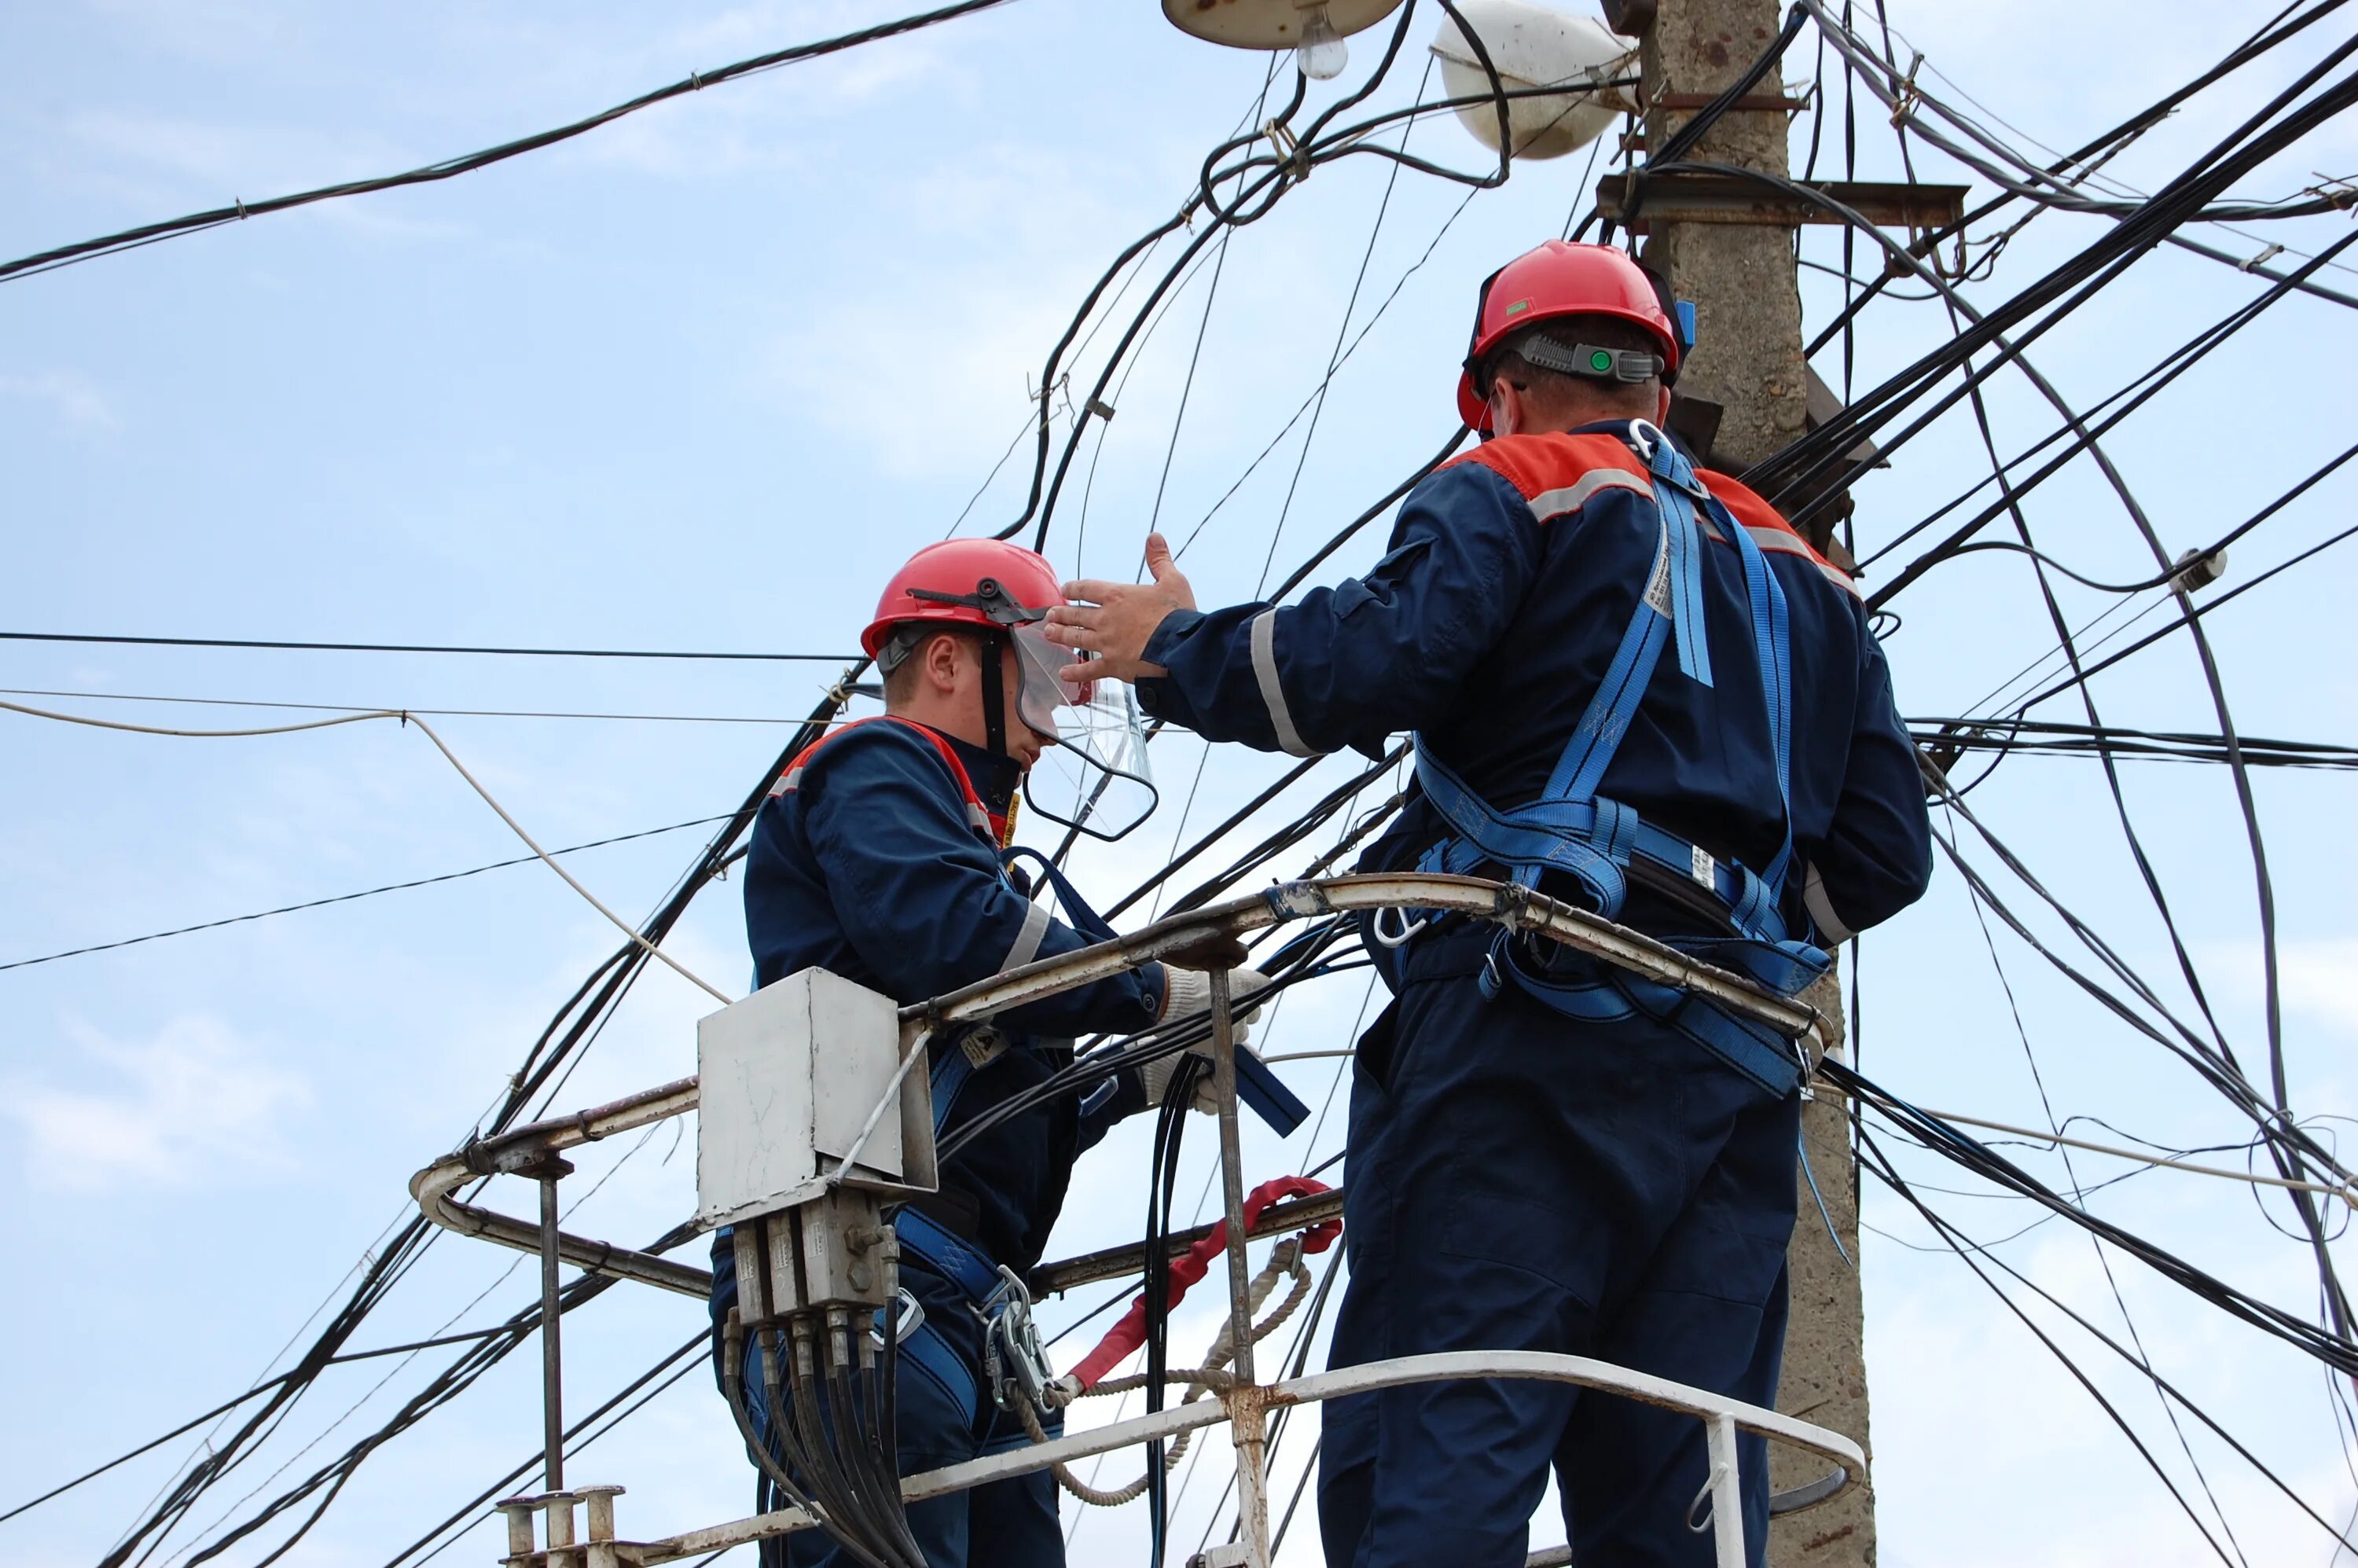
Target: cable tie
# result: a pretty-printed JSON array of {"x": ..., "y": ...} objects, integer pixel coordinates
[
  {"x": 241, "y": 205},
  {"x": 1904, "y": 102},
  {"x": 1289, "y": 146},
  {"x": 696, "y": 81}
]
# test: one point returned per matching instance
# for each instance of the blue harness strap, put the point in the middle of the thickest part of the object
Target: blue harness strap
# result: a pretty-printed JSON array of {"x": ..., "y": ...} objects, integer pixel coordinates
[{"x": 1572, "y": 830}]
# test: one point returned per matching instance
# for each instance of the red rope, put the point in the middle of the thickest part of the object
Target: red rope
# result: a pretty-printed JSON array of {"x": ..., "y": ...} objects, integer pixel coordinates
[{"x": 1127, "y": 1335}]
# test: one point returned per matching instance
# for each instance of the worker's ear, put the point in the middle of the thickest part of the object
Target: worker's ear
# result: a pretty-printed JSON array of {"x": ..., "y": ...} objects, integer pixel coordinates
[
  {"x": 1506, "y": 411},
  {"x": 1662, "y": 410},
  {"x": 941, "y": 659}
]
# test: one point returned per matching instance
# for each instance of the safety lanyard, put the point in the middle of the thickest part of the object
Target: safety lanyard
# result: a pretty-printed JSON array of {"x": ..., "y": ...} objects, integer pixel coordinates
[{"x": 954, "y": 1065}]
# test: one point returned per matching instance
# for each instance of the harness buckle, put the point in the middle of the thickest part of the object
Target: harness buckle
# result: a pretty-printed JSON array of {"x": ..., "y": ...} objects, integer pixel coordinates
[{"x": 913, "y": 1318}]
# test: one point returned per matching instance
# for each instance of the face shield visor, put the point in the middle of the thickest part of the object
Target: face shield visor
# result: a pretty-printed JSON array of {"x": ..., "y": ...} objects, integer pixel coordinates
[{"x": 1095, "y": 778}]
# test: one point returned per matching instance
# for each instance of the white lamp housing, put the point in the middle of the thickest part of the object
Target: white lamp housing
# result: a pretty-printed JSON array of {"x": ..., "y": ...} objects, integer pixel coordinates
[
  {"x": 1271, "y": 24},
  {"x": 1535, "y": 45}
]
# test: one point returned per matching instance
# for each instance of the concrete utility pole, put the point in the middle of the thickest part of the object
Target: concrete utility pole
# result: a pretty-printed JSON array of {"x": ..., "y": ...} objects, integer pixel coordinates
[{"x": 1747, "y": 361}]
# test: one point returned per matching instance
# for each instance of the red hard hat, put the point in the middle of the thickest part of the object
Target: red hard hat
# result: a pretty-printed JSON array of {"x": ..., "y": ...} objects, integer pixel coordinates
[
  {"x": 1561, "y": 278},
  {"x": 959, "y": 568}
]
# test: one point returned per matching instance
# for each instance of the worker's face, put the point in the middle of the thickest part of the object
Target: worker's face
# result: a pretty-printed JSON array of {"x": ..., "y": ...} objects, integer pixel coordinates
[{"x": 1024, "y": 742}]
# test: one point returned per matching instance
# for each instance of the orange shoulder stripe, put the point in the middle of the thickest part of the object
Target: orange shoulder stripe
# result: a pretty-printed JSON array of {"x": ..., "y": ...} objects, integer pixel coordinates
[{"x": 1767, "y": 525}]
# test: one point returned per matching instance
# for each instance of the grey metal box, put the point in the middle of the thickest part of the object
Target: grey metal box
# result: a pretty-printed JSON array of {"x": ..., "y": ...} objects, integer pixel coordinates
[{"x": 786, "y": 1078}]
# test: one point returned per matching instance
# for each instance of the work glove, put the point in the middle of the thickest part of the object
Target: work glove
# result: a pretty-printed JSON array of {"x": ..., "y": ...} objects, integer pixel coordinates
[{"x": 1190, "y": 994}]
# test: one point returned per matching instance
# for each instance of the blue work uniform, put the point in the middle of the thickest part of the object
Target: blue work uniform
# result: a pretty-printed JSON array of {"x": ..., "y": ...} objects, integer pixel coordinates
[
  {"x": 1542, "y": 1155},
  {"x": 877, "y": 857}
]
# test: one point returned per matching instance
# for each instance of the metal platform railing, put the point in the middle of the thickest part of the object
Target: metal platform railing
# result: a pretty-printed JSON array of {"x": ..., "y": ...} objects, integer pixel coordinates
[{"x": 536, "y": 1150}]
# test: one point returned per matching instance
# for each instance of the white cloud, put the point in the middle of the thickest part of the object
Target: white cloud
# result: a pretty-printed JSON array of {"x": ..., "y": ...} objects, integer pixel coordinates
[
  {"x": 196, "y": 1101},
  {"x": 75, "y": 399},
  {"x": 2317, "y": 976},
  {"x": 2321, "y": 976}
]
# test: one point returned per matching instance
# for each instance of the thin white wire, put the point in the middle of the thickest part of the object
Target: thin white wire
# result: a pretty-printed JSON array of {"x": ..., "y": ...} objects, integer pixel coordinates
[{"x": 427, "y": 729}]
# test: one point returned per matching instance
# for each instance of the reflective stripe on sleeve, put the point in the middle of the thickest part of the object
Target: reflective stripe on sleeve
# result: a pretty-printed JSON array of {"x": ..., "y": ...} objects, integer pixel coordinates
[
  {"x": 1264, "y": 661},
  {"x": 1572, "y": 497},
  {"x": 1822, "y": 909},
  {"x": 1027, "y": 941}
]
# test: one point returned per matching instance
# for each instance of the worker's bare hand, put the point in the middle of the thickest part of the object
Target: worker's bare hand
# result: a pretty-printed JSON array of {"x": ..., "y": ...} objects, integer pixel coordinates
[{"x": 1118, "y": 618}]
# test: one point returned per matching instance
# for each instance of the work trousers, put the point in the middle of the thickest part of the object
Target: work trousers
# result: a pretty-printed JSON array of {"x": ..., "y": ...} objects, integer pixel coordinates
[
  {"x": 1523, "y": 1181},
  {"x": 943, "y": 1416}
]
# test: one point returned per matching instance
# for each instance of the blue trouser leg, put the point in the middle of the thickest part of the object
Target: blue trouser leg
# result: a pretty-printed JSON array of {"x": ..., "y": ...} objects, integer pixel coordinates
[
  {"x": 1530, "y": 1182},
  {"x": 1700, "y": 1317}
]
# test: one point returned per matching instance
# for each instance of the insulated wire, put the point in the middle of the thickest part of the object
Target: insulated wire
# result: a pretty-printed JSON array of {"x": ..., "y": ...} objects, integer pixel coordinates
[
  {"x": 417, "y": 648},
  {"x": 349, "y": 897},
  {"x": 149, "y": 234},
  {"x": 448, "y": 755}
]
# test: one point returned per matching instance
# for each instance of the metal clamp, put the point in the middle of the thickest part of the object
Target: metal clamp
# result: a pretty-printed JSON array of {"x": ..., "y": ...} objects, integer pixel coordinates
[
  {"x": 1403, "y": 927},
  {"x": 1014, "y": 1362}
]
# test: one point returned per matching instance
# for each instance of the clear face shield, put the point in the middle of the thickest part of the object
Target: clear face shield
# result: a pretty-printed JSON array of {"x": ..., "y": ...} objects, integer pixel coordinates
[{"x": 1095, "y": 777}]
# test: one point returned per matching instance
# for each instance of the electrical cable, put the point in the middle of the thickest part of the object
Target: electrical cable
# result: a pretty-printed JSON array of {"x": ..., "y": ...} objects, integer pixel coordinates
[
  {"x": 420, "y": 647},
  {"x": 349, "y": 897},
  {"x": 696, "y": 81}
]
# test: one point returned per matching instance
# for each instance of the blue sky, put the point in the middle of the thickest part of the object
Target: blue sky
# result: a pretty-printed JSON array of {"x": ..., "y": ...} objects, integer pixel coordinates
[{"x": 699, "y": 380}]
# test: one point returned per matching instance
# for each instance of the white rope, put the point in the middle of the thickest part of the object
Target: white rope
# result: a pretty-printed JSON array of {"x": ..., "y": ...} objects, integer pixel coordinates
[
  {"x": 2347, "y": 1195},
  {"x": 1285, "y": 1261},
  {"x": 407, "y": 719}
]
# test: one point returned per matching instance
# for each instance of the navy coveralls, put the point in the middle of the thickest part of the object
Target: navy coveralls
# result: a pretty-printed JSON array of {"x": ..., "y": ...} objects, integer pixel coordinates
[
  {"x": 1521, "y": 1179},
  {"x": 876, "y": 857}
]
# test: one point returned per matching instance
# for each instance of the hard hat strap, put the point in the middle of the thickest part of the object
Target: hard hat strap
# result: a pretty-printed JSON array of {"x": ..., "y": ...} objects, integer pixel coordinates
[
  {"x": 994, "y": 696},
  {"x": 1590, "y": 361}
]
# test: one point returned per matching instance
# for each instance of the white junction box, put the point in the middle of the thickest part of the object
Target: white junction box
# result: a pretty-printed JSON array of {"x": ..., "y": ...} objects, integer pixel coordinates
[{"x": 786, "y": 1079}]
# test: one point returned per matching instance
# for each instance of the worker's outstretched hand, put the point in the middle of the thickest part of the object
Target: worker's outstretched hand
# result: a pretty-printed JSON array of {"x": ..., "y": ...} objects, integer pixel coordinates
[{"x": 1116, "y": 618}]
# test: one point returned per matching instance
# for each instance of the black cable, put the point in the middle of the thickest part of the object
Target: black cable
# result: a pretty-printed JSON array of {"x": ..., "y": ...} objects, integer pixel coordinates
[
  {"x": 2194, "y": 614},
  {"x": 148, "y": 234},
  {"x": 2079, "y": 277},
  {"x": 577, "y": 1020},
  {"x": 349, "y": 897},
  {"x": 2044, "y": 738},
  {"x": 421, "y": 647},
  {"x": 1958, "y": 1242}
]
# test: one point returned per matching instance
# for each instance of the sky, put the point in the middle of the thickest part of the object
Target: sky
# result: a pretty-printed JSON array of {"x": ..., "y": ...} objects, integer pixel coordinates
[{"x": 698, "y": 381}]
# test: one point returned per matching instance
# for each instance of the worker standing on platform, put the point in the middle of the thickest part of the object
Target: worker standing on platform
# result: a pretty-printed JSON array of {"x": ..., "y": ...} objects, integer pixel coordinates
[
  {"x": 1546, "y": 1153},
  {"x": 882, "y": 855}
]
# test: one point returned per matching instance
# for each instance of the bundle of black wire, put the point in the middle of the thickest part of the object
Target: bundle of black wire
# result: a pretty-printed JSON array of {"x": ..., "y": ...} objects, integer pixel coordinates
[
  {"x": 1306, "y": 957},
  {"x": 1170, "y": 1126},
  {"x": 2330, "y": 1348},
  {"x": 830, "y": 1449}
]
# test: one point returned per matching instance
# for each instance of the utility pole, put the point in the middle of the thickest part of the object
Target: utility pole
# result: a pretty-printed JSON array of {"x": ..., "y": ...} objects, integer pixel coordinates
[{"x": 1748, "y": 362}]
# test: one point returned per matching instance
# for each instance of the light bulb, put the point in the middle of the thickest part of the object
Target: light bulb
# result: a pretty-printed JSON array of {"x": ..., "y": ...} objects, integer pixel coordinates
[{"x": 1323, "y": 54}]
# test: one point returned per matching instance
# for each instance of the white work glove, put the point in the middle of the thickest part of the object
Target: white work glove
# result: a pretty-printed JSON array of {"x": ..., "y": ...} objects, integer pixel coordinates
[{"x": 1189, "y": 993}]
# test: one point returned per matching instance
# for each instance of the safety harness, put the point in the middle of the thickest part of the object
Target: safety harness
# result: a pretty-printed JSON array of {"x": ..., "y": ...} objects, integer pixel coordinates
[{"x": 1597, "y": 841}]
